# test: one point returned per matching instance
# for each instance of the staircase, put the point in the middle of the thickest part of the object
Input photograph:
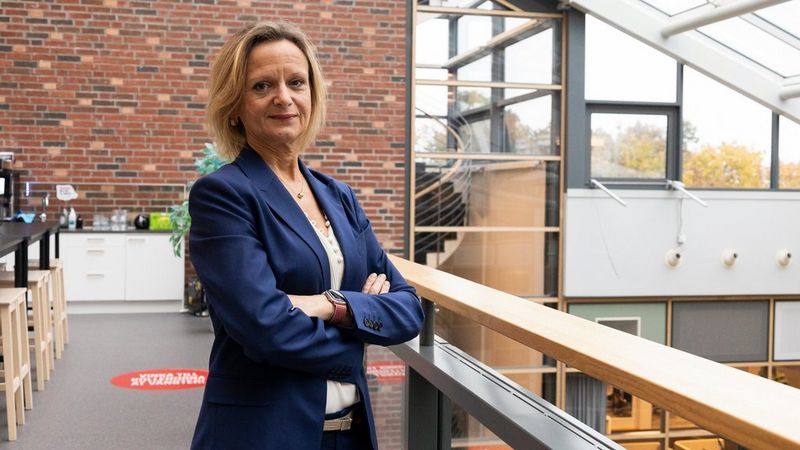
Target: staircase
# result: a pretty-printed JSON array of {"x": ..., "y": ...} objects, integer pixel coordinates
[
  {"x": 442, "y": 201},
  {"x": 442, "y": 198}
]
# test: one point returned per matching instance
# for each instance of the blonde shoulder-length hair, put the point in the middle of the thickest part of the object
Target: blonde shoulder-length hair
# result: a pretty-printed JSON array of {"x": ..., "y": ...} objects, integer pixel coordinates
[{"x": 227, "y": 84}]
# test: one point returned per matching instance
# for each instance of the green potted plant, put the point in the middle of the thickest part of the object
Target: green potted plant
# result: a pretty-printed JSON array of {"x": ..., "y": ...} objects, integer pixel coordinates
[{"x": 179, "y": 214}]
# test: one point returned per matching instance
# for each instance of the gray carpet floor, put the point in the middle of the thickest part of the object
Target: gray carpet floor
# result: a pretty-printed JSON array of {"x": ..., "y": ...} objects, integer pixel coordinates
[{"x": 81, "y": 409}]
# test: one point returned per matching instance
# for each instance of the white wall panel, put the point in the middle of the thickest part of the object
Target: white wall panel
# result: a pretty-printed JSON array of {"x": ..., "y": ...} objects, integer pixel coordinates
[
  {"x": 787, "y": 332},
  {"x": 611, "y": 250}
]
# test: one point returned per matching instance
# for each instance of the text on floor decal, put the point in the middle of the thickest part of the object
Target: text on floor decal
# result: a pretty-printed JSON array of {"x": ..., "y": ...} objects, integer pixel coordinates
[{"x": 162, "y": 379}]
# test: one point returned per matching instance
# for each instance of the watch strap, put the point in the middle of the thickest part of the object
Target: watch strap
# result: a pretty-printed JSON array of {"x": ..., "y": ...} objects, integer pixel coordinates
[{"x": 339, "y": 306}]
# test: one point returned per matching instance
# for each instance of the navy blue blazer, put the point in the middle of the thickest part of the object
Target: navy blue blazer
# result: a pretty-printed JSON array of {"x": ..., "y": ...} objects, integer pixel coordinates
[{"x": 251, "y": 245}]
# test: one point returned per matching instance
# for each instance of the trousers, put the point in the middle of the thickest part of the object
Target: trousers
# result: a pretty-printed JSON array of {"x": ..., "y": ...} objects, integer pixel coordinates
[{"x": 356, "y": 438}]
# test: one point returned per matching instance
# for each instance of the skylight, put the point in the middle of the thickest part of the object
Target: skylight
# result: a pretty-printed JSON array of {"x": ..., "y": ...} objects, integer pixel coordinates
[{"x": 752, "y": 46}]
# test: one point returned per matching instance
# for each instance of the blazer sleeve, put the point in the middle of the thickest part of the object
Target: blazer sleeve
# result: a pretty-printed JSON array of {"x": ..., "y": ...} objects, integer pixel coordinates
[
  {"x": 386, "y": 319},
  {"x": 233, "y": 265}
]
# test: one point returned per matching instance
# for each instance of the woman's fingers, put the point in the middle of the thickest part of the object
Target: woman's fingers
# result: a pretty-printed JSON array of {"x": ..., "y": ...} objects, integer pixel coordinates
[
  {"x": 375, "y": 284},
  {"x": 368, "y": 284}
]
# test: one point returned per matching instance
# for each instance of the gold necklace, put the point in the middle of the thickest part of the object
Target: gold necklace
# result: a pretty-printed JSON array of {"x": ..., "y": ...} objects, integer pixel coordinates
[
  {"x": 300, "y": 194},
  {"x": 327, "y": 222}
]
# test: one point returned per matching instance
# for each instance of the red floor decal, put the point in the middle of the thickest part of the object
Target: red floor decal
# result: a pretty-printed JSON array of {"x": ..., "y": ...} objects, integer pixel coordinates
[
  {"x": 387, "y": 371},
  {"x": 160, "y": 379}
]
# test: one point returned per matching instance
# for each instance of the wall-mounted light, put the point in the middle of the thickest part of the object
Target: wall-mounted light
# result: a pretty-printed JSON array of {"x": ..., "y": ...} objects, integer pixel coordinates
[
  {"x": 673, "y": 258},
  {"x": 729, "y": 257},
  {"x": 783, "y": 258}
]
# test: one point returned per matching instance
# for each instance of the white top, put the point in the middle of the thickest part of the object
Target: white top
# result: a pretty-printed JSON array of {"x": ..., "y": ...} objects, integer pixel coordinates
[{"x": 340, "y": 395}]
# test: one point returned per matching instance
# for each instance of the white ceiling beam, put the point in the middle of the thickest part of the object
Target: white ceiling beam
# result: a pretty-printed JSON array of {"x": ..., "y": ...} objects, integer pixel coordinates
[
  {"x": 790, "y": 89},
  {"x": 696, "y": 50},
  {"x": 706, "y": 16}
]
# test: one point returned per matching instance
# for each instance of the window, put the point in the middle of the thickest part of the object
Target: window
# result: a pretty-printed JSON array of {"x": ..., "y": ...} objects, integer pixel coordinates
[
  {"x": 628, "y": 146},
  {"x": 620, "y": 68},
  {"x": 631, "y": 102},
  {"x": 650, "y": 118},
  {"x": 726, "y": 136},
  {"x": 789, "y": 154}
]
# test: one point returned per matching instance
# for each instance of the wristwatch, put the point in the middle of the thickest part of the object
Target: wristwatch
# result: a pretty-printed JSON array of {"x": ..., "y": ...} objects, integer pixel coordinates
[{"x": 339, "y": 303}]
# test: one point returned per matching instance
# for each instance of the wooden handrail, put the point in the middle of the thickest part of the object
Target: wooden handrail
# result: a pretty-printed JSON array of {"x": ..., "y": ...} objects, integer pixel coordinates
[{"x": 747, "y": 409}]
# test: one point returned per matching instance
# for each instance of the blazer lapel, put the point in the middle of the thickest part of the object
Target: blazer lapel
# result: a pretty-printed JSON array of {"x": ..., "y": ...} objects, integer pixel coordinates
[
  {"x": 280, "y": 201},
  {"x": 328, "y": 199}
]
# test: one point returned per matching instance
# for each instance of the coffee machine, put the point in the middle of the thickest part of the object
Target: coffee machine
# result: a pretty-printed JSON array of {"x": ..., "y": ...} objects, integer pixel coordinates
[{"x": 9, "y": 187}]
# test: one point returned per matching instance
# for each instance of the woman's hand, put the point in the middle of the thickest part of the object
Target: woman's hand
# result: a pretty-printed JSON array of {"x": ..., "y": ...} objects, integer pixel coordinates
[
  {"x": 375, "y": 284},
  {"x": 313, "y": 305},
  {"x": 319, "y": 306}
]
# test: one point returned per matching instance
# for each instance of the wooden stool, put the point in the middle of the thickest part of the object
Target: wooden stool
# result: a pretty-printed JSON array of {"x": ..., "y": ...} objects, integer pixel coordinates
[
  {"x": 60, "y": 323},
  {"x": 16, "y": 358},
  {"x": 38, "y": 281}
]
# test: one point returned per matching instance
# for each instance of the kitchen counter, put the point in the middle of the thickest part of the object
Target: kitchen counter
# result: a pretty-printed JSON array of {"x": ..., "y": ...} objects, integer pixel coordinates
[
  {"x": 121, "y": 271},
  {"x": 97, "y": 230}
]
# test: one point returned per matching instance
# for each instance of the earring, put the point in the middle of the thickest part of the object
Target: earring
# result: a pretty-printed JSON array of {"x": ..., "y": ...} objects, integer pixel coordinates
[{"x": 233, "y": 122}]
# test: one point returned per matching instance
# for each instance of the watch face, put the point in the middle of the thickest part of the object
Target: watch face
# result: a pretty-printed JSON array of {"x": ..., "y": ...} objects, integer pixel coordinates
[{"x": 336, "y": 296}]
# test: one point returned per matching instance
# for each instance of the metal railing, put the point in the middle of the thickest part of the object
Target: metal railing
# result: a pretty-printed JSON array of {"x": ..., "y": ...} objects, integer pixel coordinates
[{"x": 749, "y": 410}]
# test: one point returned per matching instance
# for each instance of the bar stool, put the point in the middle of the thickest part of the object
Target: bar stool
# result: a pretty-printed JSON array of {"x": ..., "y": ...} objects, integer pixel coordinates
[
  {"x": 38, "y": 281},
  {"x": 60, "y": 322},
  {"x": 16, "y": 358}
]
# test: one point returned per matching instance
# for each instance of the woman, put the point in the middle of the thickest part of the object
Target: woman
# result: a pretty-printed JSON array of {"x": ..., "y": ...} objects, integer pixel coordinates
[{"x": 296, "y": 281}]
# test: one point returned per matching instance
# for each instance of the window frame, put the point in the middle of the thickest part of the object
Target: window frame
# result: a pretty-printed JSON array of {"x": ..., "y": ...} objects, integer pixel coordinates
[{"x": 672, "y": 161}]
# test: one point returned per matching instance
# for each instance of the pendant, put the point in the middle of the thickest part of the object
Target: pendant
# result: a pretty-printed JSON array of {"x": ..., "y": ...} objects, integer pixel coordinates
[{"x": 300, "y": 195}]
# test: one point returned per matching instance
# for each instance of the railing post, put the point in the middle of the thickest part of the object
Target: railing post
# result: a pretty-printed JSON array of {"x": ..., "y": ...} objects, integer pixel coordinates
[
  {"x": 426, "y": 335},
  {"x": 428, "y": 411},
  {"x": 422, "y": 413},
  {"x": 445, "y": 421}
]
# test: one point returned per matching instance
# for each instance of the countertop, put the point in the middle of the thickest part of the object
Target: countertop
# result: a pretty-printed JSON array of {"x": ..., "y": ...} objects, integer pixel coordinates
[{"x": 127, "y": 230}]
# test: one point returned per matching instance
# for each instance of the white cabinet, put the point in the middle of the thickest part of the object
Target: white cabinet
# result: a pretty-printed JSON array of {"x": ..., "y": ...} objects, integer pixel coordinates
[
  {"x": 120, "y": 266},
  {"x": 151, "y": 268},
  {"x": 94, "y": 266}
]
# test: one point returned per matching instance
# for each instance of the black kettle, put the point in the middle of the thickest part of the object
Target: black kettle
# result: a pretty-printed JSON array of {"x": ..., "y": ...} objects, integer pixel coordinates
[{"x": 142, "y": 222}]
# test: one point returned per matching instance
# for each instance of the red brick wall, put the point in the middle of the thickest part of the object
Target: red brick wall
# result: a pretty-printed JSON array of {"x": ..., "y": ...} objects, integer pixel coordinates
[{"x": 113, "y": 91}]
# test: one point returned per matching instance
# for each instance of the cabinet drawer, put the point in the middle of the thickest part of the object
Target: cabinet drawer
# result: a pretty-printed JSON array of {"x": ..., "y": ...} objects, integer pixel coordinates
[
  {"x": 94, "y": 273},
  {"x": 92, "y": 240},
  {"x": 95, "y": 257},
  {"x": 94, "y": 284}
]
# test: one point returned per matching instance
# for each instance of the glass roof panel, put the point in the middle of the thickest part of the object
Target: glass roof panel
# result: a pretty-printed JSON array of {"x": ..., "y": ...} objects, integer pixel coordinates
[
  {"x": 757, "y": 53},
  {"x": 756, "y": 44},
  {"x": 786, "y": 16},
  {"x": 672, "y": 7}
]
